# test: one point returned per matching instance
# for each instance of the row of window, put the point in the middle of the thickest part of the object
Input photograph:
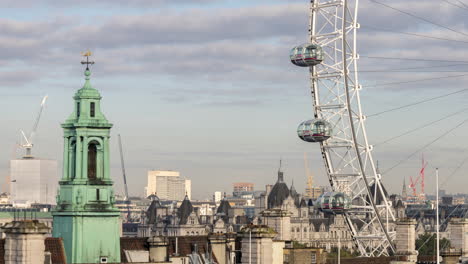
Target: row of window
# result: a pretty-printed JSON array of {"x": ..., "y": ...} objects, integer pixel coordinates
[{"x": 92, "y": 107}]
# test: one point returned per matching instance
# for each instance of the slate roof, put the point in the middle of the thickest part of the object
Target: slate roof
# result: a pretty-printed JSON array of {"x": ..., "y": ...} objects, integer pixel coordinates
[
  {"x": 279, "y": 192},
  {"x": 223, "y": 207},
  {"x": 223, "y": 210},
  {"x": 295, "y": 196},
  {"x": 184, "y": 211},
  {"x": 151, "y": 212},
  {"x": 379, "y": 198},
  {"x": 302, "y": 204}
]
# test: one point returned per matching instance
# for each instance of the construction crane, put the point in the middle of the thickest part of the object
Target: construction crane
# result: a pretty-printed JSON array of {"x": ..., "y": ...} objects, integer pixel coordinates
[
  {"x": 27, "y": 142},
  {"x": 126, "y": 200},
  {"x": 419, "y": 179}
]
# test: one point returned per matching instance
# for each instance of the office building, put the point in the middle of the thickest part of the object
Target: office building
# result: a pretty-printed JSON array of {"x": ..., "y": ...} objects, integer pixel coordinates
[
  {"x": 33, "y": 181},
  {"x": 168, "y": 185},
  {"x": 241, "y": 188}
]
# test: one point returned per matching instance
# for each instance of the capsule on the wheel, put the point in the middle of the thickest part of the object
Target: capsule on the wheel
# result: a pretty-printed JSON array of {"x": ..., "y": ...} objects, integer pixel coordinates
[
  {"x": 306, "y": 55},
  {"x": 333, "y": 202},
  {"x": 316, "y": 130}
]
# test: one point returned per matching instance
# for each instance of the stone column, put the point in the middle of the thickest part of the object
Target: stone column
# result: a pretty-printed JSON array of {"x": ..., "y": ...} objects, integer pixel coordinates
[
  {"x": 458, "y": 228},
  {"x": 218, "y": 247},
  {"x": 257, "y": 242},
  {"x": 158, "y": 249},
  {"x": 280, "y": 221},
  {"x": 231, "y": 246},
  {"x": 406, "y": 241},
  {"x": 24, "y": 242}
]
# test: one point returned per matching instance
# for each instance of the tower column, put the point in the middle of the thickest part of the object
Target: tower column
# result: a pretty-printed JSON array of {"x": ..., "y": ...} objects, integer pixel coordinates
[
  {"x": 106, "y": 173},
  {"x": 79, "y": 151},
  {"x": 85, "y": 158},
  {"x": 66, "y": 156}
]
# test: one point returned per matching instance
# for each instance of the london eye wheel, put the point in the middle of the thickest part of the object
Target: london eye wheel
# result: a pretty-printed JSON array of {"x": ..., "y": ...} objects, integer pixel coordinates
[{"x": 339, "y": 123}]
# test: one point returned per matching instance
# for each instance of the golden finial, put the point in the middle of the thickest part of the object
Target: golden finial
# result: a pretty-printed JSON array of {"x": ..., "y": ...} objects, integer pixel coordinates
[
  {"x": 86, "y": 53},
  {"x": 87, "y": 62}
]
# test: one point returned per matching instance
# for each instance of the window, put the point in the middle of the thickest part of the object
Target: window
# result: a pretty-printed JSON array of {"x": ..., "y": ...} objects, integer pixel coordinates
[
  {"x": 78, "y": 109},
  {"x": 313, "y": 258},
  {"x": 93, "y": 109},
  {"x": 92, "y": 161}
]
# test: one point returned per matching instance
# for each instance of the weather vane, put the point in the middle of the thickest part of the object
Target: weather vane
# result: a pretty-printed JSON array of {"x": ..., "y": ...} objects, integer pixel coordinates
[{"x": 87, "y": 62}]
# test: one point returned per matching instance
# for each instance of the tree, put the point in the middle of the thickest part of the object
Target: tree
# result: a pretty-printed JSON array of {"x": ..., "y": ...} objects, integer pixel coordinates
[{"x": 426, "y": 244}]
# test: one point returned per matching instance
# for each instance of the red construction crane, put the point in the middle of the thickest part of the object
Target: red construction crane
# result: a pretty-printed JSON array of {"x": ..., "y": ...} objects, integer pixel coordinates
[{"x": 419, "y": 179}]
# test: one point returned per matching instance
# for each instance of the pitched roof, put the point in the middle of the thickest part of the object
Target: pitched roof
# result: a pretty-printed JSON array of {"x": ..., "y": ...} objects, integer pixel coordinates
[
  {"x": 185, "y": 210},
  {"x": 132, "y": 243},
  {"x": 184, "y": 245},
  {"x": 54, "y": 245}
]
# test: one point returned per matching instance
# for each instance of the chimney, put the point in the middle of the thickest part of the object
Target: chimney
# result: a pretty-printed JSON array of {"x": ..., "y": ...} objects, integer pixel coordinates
[
  {"x": 458, "y": 228},
  {"x": 218, "y": 247},
  {"x": 24, "y": 242},
  {"x": 406, "y": 241},
  {"x": 158, "y": 249},
  {"x": 257, "y": 244}
]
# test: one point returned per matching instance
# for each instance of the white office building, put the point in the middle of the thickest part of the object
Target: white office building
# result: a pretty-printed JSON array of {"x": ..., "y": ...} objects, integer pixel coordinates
[
  {"x": 168, "y": 185},
  {"x": 217, "y": 197},
  {"x": 33, "y": 181}
]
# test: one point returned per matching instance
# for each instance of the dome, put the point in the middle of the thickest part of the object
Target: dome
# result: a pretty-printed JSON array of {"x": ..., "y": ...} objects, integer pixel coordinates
[
  {"x": 279, "y": 193},
  {"x": 316, "y": 130},
  {"x": 306, "y": 55}
]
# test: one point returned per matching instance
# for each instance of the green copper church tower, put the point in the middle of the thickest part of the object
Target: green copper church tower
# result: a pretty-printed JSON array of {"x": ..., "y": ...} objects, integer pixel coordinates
[{"x": 85, "y": 216}]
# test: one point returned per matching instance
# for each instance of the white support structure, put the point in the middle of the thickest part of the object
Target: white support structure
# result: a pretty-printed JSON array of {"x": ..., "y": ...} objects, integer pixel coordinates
[{"x": 347, "y": 154}]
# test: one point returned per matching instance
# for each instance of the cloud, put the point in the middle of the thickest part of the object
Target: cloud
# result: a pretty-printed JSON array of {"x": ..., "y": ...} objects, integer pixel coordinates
[
  {"x": 100, "y": 4},
  {"x": 16, "y": 78}
]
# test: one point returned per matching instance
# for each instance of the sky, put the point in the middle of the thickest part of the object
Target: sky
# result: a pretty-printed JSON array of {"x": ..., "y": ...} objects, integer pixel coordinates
[{"x": 205, "y": 87}]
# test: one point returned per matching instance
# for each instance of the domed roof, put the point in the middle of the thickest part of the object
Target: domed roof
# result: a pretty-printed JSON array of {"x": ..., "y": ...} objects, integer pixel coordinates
[
  {"x": 279, "y": 192},
  {"x": 87, "y": 91}
]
